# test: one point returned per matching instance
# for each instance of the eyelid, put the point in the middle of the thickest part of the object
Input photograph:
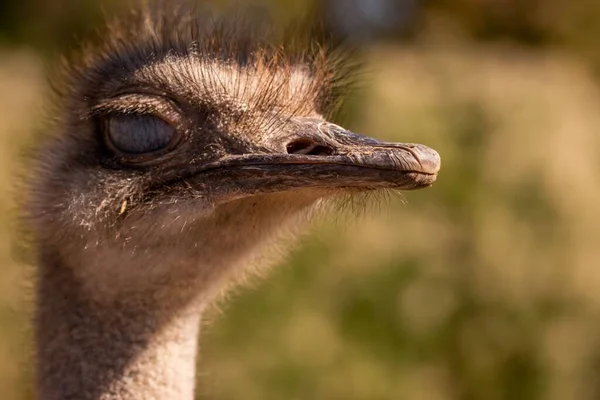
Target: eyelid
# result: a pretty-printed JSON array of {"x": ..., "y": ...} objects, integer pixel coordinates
[
  {"x": 132, "y": 104},
  {"x": 134, "y": 159},
  {"x": 135, "y": 135}
]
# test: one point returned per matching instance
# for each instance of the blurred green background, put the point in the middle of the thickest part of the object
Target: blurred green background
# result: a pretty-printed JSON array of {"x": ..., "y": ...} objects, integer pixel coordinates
[{"x": 484, "y": 287}]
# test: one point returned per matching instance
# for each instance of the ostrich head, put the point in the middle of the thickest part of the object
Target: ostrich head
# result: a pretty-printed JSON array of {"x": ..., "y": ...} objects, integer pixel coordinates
[
  {"x": 186, "y": 148},
  {"x": 184, "y": 152}
]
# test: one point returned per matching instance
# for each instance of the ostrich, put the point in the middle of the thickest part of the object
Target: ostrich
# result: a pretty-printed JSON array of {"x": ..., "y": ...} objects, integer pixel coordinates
[{"x": 185, "y": 151}]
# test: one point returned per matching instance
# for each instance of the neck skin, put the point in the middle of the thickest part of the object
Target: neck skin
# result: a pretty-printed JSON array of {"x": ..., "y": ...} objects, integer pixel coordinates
[
  {"x": 118, "y": 351},
  {"x": 117, "y": 327}
]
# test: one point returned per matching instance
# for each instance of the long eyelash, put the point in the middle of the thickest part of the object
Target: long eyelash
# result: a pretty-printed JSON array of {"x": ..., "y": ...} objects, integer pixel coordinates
[{"x": 137, "y": 103}]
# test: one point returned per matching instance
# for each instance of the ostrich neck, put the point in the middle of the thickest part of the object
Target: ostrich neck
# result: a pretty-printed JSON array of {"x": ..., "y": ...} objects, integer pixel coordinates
[
  {"x": 141, "y": 343},
  {"x": 90, "y": 351}
]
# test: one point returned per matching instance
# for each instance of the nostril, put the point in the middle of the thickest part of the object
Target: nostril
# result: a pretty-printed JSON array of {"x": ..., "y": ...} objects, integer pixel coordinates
[
  {"x": 299, "y": 147},
  {"x": 309, "y": 148},
  {"x": 321, "y": 150}
]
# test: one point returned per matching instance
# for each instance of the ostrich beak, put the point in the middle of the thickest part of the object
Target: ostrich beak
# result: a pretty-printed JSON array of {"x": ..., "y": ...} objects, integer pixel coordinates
[
  {"x": 360, "y": 160},
  {"x": 318, "y": 154}
]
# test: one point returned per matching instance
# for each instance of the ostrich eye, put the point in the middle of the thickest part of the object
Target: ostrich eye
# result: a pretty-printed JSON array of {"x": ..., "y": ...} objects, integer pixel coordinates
[{"x": 139, "y": 134}]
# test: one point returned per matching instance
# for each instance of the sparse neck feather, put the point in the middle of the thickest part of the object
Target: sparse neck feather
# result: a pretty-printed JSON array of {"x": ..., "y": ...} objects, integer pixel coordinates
[
  {"x": 89, "y": 351},
  {"x": 139, "y": 342}
]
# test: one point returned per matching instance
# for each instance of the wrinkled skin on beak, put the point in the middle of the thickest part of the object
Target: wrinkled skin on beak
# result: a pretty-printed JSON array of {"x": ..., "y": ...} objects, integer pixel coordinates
[{"x": 318, "y": 154}]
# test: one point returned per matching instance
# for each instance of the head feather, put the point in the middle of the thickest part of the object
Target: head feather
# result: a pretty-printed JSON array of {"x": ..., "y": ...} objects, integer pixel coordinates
[{"x": 262, "y": 61}]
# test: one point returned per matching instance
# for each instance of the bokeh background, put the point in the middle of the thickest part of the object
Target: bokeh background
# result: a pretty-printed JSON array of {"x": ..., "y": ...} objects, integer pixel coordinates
[{"x": 484, "y": 287}]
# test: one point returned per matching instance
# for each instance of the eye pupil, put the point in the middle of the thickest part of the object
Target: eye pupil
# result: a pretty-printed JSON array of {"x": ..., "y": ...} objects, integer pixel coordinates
[{"x": 139, "y": 134}]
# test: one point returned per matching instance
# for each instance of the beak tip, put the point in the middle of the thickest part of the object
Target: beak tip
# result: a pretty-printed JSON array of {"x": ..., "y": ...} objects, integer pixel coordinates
[{"x": 429, "y": 159}]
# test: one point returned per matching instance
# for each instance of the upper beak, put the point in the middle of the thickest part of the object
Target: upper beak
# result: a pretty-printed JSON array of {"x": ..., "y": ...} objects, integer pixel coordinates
[
  {"x": 320, "y": 154},
  {"x": 402, "y": 165}
]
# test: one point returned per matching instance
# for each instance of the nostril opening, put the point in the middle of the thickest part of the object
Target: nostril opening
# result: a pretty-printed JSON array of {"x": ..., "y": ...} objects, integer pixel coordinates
[
  {"x": 309, "y": 148},
  {"x": 299, "y": 147},
  {"x": 321, "y": 150}
]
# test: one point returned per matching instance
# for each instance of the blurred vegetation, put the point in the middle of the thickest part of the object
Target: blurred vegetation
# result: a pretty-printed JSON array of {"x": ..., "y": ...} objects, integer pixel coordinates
[{"x": 484, "y": 287}]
